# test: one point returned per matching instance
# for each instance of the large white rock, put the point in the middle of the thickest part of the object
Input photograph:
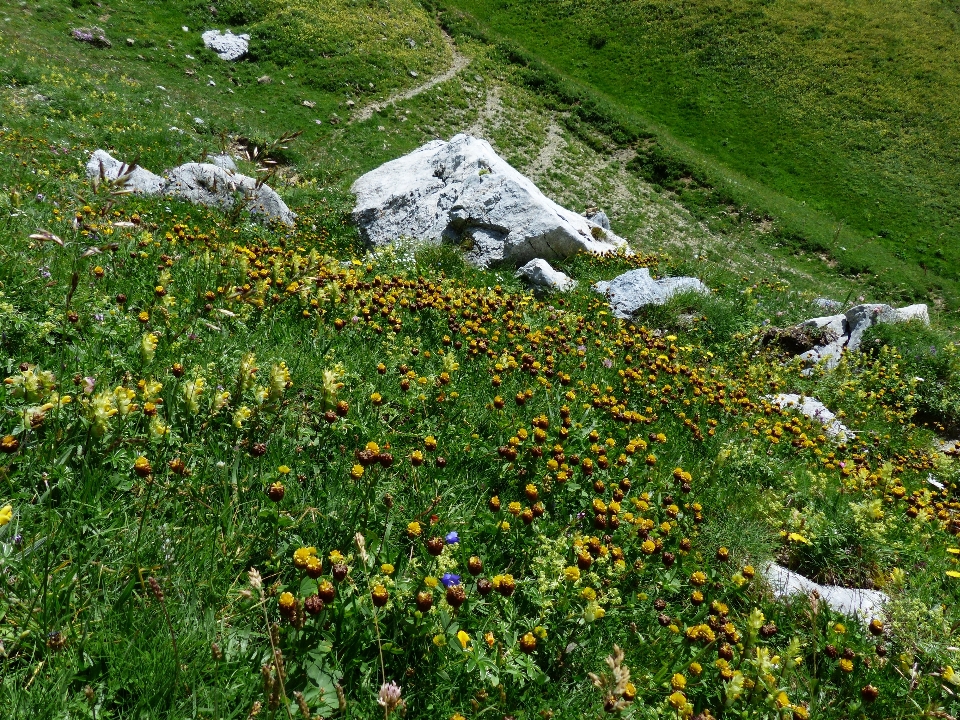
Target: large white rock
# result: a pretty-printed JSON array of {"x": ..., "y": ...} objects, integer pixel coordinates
[
  {"x": 544, "y": 278},
  {"x": 634, "y": 289},
  {"x": 854, "y": 602},
  {"x": 815, "y": 410},
  {"x": 203, "y": 183},
  {"x": 102, "y": 165},
  {"x": 461, "y": 191},
  {"x": 227, "y": 45}
]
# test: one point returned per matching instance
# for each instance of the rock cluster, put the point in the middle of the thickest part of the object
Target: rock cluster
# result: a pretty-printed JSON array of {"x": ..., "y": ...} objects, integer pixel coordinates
[
  {"x": 634, "y": 289},
  {"x": 202, "y": 183},
  {"x": 847, "y": 329},
  {"x": 462, "y": 192},
  {"x": 227, "y": 45}
]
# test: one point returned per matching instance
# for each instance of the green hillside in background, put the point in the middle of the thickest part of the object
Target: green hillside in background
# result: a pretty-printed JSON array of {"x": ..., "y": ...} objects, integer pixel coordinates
[{"x": 839, "y": 118}]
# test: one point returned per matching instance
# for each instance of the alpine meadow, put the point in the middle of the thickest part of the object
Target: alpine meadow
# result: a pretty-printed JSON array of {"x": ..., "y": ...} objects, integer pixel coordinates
[{"x": 479, "y": 359}]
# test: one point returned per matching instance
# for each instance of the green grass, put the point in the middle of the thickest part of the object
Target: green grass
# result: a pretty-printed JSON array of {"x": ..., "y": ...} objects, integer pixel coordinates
[
  {"x": 837, "y": 120},
  {"x": 218, "y": 352}
]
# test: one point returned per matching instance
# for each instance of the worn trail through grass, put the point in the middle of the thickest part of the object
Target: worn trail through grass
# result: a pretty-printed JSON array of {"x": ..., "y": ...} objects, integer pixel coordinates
[{"x": 460, "y": 61}]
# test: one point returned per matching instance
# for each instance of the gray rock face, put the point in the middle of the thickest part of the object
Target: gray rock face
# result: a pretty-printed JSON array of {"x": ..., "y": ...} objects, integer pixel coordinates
[
  {"x": 815, "y": 410},
  {"x": 223, "y": 161},
  {"x": 208, "y": 184},
  {"x": 863, "y": 605},
  {"x": 203, "y": 183},
  {"x": 102, "y": 165},
  {"x": 462, "y": 192},
  {"x": 634, "y": 289},
  {"x": 850, "y": 326},
  {"x": 543, "y": 278},
  {"x": 227, "y": 45},
  {"x": 599, "y": 218}
]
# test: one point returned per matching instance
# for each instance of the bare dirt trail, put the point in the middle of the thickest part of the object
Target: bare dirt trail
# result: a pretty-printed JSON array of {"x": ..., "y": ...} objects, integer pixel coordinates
[{"x": 460, "y": 61}]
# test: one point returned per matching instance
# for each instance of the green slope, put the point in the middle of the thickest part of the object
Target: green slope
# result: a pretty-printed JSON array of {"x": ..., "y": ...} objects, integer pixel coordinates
[{"x": 840, "y": 118}]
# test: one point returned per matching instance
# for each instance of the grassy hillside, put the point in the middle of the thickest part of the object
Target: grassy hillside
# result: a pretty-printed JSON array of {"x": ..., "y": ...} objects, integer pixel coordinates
[
  {"x": 840, "y": 119},
  {"x": 257, "y": 472}
]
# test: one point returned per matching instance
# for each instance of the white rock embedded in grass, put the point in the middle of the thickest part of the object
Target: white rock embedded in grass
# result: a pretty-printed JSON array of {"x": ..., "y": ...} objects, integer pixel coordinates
[
  {"x": 143, "y": 182},
  {"x": 634, "y": 289},
  {"x": 462, "y": 192},
  {"x": 544, "y": 278},
  {"x": 208, "y": 184},
  {"x": 202, "y": 183},
  {"x": 228, "y": 46},
  {"x": 864, "y": 605},
  {"x": 815, "y": 410}
]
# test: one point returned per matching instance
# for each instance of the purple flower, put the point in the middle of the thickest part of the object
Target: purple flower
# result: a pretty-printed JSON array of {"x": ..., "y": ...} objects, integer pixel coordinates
[
  {"x": 98, "y": 317},
  {"x": 45, "y": 272},
  {"x": 18, "y": 539},
  {"x": 581, "y": 348},
  {"x": 449, "y": 579},
  {"x": 607, "y": 363},
  {"x": 88, "y": 384},
  {"x": 452, "y": 538}
]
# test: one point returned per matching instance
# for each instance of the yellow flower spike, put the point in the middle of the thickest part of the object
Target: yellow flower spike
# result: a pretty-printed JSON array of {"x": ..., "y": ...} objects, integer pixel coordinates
[
  {"x": 6, "y": 514},
  {"x": 283, "y": 469},
  {"x": 953, "y": 574},
  {"x": 463, "y": 638}
]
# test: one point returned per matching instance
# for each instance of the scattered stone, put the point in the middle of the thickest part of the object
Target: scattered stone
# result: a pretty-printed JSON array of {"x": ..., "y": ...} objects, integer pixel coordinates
[
  {"x": 131, "y": 42},
  {"x": 462, "y": 192},
  {"x": 228, "y": 46},
  {"x": 634, "y": 289},
  {"x": 411, "y": 42},
  {"x": 105, "y": 168},
  {"x": 414, "y": 73},
  {"x": 211, "y": 83},
  {"x": 92, "y": 36},
  {"x": 861, "y": 604},
  {"x": 827, "y": 303},
  {"x": 264, "y": 80},
  {"x": 815, "y": 410},
  {"x": 848, "y": 329},
  {"x": 350, "y": 103},
  {"x": 202, "y": 183},
  {"x": 544, "y": 278},
  {"x": 309, "y": 104}
]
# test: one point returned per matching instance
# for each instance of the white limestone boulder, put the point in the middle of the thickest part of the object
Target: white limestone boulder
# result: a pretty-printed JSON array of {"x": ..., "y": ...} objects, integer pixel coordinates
[
  {"x": 864, "y": 605},
  {"x": 138, "y": 180},
  {"x": 462, "y": 192},
  {"x": 208, "y": 184},
  {"x": 815, "y": 410},
  {"x": 629, "y": 292},
  {"x": 543, "y": 278},
  {"x": 228, "y": 46}
]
